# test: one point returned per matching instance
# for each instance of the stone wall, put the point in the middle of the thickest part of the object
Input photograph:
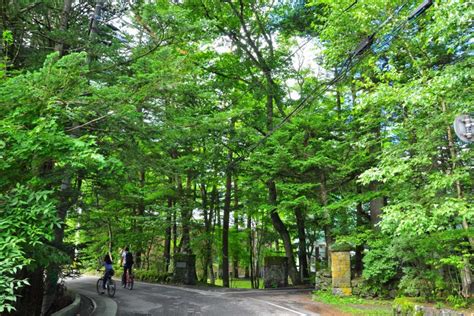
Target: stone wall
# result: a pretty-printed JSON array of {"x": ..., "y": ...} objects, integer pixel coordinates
[
  {"x": 419, "y": 310},
  {"x": 323, "y": 280}
]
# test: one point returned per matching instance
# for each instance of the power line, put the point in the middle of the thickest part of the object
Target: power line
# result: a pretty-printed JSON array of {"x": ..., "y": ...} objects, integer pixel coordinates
[
  {"x": 309, "y": 97},
  {"x": 349, "y": 7},
  {"x": 358, "y": 53},
  {"x": 325, "y": 26}
]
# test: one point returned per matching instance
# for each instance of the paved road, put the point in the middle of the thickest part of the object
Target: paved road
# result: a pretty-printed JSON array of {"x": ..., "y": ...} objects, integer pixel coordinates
[
  {"x": 154, "y": 299},
  {"x": 104, "y": 306}
]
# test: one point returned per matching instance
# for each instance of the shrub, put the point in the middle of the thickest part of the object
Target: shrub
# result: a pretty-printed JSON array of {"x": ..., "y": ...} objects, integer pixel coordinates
[
  {"x": 404, "y": 305},
  {"x": 151, "y": 276},
  {"x": 457, "y": 301},
  {"x": 381, "y": 266}
]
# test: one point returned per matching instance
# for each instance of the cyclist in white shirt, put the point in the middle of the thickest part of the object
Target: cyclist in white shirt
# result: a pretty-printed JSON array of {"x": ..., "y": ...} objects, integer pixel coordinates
[{"x": 126, "y": 260}]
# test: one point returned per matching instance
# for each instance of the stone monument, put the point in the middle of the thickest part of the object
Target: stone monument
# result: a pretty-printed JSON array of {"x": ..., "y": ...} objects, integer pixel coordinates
[
  {"x": 184, "y": 268},
  {"x": 275, "y": 272},
  {"x": 341, "y": 272}
]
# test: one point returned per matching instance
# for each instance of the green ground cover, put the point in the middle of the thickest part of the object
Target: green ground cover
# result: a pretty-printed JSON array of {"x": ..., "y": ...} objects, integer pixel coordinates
[
  {"x": 237, "y": 283},
  {"x": 354, "y": 305},
  {"x": 375, "y": 307}
]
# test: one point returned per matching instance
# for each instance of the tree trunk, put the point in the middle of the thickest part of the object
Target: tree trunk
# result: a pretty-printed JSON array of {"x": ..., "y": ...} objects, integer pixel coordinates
[
  {"x": 206, "y": 232},
  {"x": 466, "y": 272},
  {"x": 235, "y": 264},
  {"x": 249, "y": 267},
  {"x": 67, "y": 198},
  {"x": 186, "y": 213},
  {"x": 327, "y": 217},
  {"x": 359, "y": 251},
  {"x": 59, "y": 47},
  {"x": 109, "y": 229},
  {"x": 167, "y": 248},
  {"x": 377, "y": 203},
  {"x": 361, "y": 216},
  {"x": 30, "y": 298},
  {"x": 225, "y": 225},
  {"x": 302, "y": 256},
  {"x": 272, "y": 195},
  {"x": 285, "y": 236},
  {"x": 376, "y": 206},
  {"x": 175, "y": 232},
  {"x": 214, "y": 207},
  {"x": 466, "y": 279},
  {"x": 258, "y": 248},
  {"x": 140, "y": 212},
  {"x": 217, "y": 211}
]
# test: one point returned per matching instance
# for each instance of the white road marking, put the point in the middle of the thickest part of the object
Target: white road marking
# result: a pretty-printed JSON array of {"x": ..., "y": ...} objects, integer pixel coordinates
[
  {"x": 268, "y": 291},
  {"x": 282, "y": 307}
]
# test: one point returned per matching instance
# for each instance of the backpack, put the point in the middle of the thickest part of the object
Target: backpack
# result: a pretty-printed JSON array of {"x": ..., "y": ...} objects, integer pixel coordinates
[{"x": 129, "y": 259}]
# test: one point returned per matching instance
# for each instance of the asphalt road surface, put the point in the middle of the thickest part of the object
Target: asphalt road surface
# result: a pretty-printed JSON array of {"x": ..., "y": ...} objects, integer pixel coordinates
[{"x": 155, "y": 299}]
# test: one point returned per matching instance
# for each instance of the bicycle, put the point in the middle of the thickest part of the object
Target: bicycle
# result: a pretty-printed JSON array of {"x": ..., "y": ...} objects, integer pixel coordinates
[
  {"x": 128, "y": 280},
  {"x": 109, "y": 286}
]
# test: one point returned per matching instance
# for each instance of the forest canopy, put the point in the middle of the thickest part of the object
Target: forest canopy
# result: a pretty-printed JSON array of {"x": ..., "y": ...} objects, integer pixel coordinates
[{"x": 235, "y": 130}]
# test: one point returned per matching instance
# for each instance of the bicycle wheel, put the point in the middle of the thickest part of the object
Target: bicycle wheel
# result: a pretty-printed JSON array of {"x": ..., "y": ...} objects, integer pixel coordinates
[
  {"x": 130, "y": 282},
  {"x": 110, "y": 288},
  {"x": 99, "y": 286}
]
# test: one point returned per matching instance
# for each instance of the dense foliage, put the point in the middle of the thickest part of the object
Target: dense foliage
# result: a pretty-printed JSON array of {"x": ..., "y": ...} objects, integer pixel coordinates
[{"x": 209, "y": 127}]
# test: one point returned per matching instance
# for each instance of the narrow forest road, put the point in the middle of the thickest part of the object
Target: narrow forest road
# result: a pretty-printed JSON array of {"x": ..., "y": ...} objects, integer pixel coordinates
[{"x": 155, "y": 299}]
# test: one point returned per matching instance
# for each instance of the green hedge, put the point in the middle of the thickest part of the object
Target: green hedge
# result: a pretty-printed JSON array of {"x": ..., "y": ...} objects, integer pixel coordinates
[{"x": 151, "y": 276}]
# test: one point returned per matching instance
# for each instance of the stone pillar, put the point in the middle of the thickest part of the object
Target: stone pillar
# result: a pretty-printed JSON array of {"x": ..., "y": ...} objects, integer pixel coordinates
[
  {"x": 341, "y": 272},
  {"x": 184, "y": 268},
  {"x": 275, "y": 272}
]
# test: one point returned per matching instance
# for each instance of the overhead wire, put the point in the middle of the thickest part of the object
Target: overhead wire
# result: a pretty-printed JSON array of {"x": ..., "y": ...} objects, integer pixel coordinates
[
  {"x": 325, "y": 26},
  {"x": 156, "y": 46},
  {"x": 309, "y": 97},
  {"x": 346, "y": 66},
  {"x": 357, "y": 54}
]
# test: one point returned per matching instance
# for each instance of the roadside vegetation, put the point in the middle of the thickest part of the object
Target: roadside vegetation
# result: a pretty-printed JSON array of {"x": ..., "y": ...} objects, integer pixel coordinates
[
  {"x": 230, "y": 131},
  {"x": 355, "y": 305}
]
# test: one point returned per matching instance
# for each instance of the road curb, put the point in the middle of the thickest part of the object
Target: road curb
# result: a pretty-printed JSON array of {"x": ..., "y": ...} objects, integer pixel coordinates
[
  {"x": 110, "y": 308},
  {"x": 93, "y": 303},
  {"x": 72, "y": 309}
]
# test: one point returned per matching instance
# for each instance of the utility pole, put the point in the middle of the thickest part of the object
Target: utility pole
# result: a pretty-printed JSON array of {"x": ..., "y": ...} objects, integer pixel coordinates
[
  {"x": 93, "y": 27},
  {"x": 94, "y": 19}
]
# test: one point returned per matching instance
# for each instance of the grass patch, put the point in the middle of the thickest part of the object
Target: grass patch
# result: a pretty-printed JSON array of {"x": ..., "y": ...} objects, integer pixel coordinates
[
  {"x": 354, "y": 305},
  {"x": 237, "y": 283}
]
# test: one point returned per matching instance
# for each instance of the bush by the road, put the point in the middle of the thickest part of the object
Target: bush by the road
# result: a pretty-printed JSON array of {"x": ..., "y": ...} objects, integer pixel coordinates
[{"x": 151, "y": 276}]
